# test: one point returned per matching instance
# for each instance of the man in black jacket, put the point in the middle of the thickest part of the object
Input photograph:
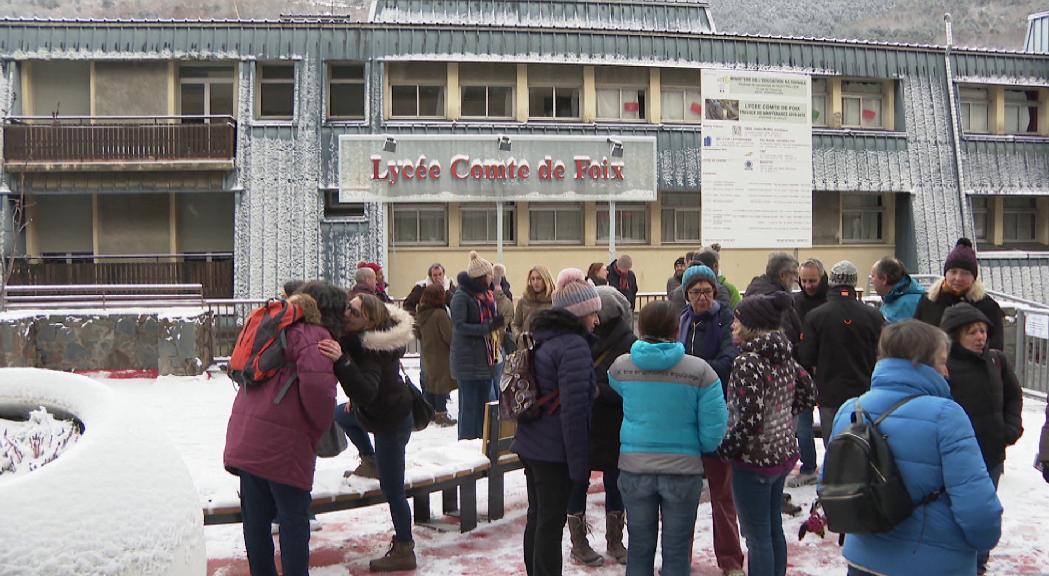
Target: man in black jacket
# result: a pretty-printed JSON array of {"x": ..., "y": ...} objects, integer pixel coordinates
[
  {"x": 621, "y": 277},
  {"x": 840, "y": 344},
  {"x": 781, "y": 274}
]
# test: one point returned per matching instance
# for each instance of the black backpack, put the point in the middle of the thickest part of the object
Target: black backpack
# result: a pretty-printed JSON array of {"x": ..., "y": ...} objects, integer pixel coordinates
[{"x": 862, "y": 491}]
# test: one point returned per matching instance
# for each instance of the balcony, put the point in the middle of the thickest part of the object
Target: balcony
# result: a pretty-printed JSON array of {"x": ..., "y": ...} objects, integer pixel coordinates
[
  {"x": 214, "y": 272},
  {"x": 119, "y": 143}
]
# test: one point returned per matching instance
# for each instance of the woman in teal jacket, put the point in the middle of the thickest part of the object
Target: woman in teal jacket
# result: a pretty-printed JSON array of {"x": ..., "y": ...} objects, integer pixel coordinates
[
  {"x": 934, "y": 447},
  {"x": 673, "y": 413}
]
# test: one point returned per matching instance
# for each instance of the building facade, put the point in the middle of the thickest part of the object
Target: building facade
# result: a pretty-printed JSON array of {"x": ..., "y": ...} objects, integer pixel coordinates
[{"x": 212, "y": 147}]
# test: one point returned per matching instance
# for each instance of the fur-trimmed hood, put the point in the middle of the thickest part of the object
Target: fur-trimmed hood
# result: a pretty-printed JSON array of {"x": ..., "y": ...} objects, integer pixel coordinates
[
  {"x": 311, "y": 314},
  {"x": 976, "y": 292},
  {"x": 395, "y": 335}
]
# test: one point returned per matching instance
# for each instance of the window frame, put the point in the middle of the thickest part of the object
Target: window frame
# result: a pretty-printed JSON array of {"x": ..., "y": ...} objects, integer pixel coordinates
[
  {"x": 207, "y": 82},
  {"x": 967, "y": 96},
  {"x": 417, "y": 86},
  {"x": 1007, "y": 212},
  {"x": 341, "y": 211},
  {"x": 330, "y": 80},
  {"x": 418, "y": 209},
  {"x": 861, "y": 211},
  {"x": 642, "y": 101},
  {"x": 985, "y": 213},
  {"x": 509, "y": 219},
  {"x": 260, "y": 81},
  {"x": 1020, "y": 107},
  {"x": 697, "y": 209},
  {"x": 555, "y": 208},
  {"x": 621, "y": 208},
  {"x": 684, "y": 91},
  {"x": 825, "y": 94},
  {"x": 554, "y": 88},
  {"x": 488, "y": 100}
]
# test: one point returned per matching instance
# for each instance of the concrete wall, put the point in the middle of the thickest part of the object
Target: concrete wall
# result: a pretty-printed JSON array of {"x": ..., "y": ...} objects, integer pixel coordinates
[
  {"x": 116, "y": 341},
  {"x": 58, "y": 86},
  {"x": 134, "y": 224},
  {"x": 61, "y": 224},
  {"x": 131, "y": 88},
  {"x": 204, "y": 222}
]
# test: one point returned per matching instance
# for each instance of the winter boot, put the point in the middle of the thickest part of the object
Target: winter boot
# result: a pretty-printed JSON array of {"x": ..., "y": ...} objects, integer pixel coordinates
[
  {"x": 366, "y": 469},
  {"x": 400, "y": 556},
  {"x": 443, "y": 420},
  {"x": 581, "y": 550},
  {"x": 614, "y": 522},
  {"x": 789, "y": 507}
]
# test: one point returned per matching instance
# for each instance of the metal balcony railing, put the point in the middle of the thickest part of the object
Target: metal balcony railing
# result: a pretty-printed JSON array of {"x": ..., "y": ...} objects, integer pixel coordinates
[{"x": 136, "y": 139}]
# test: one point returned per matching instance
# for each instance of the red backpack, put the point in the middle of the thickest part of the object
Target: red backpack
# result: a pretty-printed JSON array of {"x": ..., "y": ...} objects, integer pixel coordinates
[{"x": 259, "y": 352}]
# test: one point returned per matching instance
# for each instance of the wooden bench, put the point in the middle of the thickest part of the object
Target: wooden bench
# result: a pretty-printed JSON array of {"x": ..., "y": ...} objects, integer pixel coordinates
[{"x": 498, "y": 435}]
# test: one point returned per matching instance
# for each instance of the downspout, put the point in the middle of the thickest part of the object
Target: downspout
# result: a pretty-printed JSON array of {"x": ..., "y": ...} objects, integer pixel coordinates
[{"x": 959, "y": 173}]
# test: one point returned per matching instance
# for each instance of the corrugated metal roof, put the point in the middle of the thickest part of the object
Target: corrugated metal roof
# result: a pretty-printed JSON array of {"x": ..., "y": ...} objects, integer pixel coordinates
[
  {"x": 635, "y": 15},
  {"x": 1037, "y": 40},
  {"x": 1006, "y": 166},
  {"x": 1026, "y": 276},
  {"x": 860, "y": 162}
]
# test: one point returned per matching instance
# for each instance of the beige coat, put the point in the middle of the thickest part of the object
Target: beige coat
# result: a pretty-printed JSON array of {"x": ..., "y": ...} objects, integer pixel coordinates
[
  {"x": 433, "y": 326},
  {"x": 526, "y": 308}
]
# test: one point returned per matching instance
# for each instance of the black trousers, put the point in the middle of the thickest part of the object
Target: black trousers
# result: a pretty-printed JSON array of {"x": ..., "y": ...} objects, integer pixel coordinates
[{"x": 549, "y": 487}]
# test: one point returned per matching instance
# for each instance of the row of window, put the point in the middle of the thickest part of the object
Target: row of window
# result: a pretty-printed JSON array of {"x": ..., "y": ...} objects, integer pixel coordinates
[
  {"x": 1019, "y": 219},
  {"x": 862, "y": 220},
  {"x": 1020, "y": 110}
]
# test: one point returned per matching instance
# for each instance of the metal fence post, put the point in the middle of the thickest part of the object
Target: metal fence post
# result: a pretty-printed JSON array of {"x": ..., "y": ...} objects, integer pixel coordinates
[{"x": 1021, "y": 348}]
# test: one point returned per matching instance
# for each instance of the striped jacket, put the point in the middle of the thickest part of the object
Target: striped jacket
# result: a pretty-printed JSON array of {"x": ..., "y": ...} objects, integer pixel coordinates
[{"x": 673, "y": 409}]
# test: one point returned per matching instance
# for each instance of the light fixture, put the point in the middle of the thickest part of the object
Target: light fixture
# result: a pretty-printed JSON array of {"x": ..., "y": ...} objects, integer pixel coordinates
[
  {"x": 504, "y": 143},
  {"x": 390, "y": 145},
  {"x": 615, "y": 148}
]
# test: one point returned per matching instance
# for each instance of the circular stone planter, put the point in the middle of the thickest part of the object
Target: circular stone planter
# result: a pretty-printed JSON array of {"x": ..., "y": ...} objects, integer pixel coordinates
[{"x": 118, "y": 502}]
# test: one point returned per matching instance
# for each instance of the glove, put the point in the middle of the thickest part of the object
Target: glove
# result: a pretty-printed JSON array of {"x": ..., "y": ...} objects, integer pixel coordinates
[{"x": 496, "y": 323}]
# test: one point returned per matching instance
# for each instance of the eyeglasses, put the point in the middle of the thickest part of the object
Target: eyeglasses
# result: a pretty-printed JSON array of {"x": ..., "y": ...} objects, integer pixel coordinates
[{"x": 705, "y": 292}]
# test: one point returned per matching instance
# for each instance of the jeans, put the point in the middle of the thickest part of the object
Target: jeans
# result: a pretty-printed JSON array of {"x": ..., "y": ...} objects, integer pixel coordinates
[
  {"x": 984, "y": 555},
  {"x": 497, "y": 380},
  {"x": 389, "y": 460},
  {"x": 473, "y": 395},
  {"x": 759, "y": 502},
  {"x": 649, "y": 497},
  {"x": 358, "y": 436},
  {"x": 727, "y": 549},
  {"x": 262, "y": 501},
  {"x": 827, "y": 414},
  {"x": 807, "y": 441},
  {"x": 548, "y": 488},
  {"x": 438, "y": 401},
  {"x": 613, "y": 497}
]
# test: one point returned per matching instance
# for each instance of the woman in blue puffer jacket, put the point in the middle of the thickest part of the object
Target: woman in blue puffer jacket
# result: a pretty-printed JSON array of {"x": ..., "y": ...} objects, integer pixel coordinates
[{"x": 935, "y": 448}]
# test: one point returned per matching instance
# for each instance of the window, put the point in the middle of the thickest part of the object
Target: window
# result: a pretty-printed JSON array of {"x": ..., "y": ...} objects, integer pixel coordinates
[
  {"x": 975, "y": 106},
  {"x": 861, "y": 105},
  {"x": 621, "y": 93},
  {"x": 554, "y": 91},
  {"x": 861, "y": 217},
  {"x": 415, "y": 225},
  {"x": 819, "y": 101},
  {"x": 479, "y": 224},
  {"x": 346, "y": 91},
  {"x": 1021, "y": 111},
  {"x": 981, "y": 217},
  {"x": 488, "y": 101},
  {"x": 681, "y": 217},
  {"x": 205, "y": 91},
  {"x": 417, "y": 89},
  {"x": 680, "y": 100},
  {"x": 556, "y": 224},
  {"x": 277, "y": 91},
  {"x": 631, "y": 223},
  {"x": 1018, "y": 220},
  {"x": 335, "y": 209}
]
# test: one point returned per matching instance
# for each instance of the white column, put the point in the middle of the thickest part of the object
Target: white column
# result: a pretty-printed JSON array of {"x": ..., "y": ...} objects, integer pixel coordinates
[
  {"x": 499, "y": 231},
  {"x": 611, "y": 230}
]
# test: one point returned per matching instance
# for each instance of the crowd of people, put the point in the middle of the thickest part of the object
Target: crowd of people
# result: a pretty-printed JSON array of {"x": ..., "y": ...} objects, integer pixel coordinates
[{"x": 710, "y": 387}]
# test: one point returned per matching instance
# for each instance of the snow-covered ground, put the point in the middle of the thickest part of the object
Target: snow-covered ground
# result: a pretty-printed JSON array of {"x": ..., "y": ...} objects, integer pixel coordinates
[{"x": 194, "y": 411}]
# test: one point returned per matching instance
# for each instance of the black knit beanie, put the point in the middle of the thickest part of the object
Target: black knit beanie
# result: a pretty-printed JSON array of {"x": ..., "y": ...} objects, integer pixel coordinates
[
  {"x": 763, "y": 311},
  {"x": 962, "y": 256},
  {"x": 960, "y": 315}
]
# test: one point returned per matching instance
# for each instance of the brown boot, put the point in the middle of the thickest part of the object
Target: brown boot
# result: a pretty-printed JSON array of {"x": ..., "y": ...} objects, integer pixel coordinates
[
  {"x": 400, "y": 556},
  {"x": 581, "y": 550},
  {"x": 614, "y": 522},
  {"x": 366, "y": 469},
  {"x": 443, "y": 420}
]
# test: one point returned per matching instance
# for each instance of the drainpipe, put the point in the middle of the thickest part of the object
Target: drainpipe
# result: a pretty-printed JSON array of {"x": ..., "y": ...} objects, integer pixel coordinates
[{"x": 959, "y": 173}]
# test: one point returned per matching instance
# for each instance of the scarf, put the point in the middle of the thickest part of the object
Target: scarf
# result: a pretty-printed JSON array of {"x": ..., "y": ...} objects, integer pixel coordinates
[{"x": 486, "y": 304}]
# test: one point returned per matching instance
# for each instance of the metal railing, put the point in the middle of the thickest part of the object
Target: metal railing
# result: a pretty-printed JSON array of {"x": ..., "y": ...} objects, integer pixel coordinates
[
  {"x": 214, "y": 272},
  {"x": 1032, "y": 349},
  {"x": 104, "y": 296},
  {"x": 45, "y": 139}
]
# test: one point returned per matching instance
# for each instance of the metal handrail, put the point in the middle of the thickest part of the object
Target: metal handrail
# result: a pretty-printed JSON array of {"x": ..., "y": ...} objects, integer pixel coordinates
[{"x": 95, "y": 119}]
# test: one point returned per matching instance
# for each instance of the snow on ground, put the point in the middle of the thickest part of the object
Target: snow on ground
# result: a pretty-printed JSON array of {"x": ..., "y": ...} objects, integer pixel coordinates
[{"x": 194, "y": 411}]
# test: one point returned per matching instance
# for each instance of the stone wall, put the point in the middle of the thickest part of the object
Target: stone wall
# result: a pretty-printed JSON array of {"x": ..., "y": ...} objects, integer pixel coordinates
[{"x": 116, "y": 340}]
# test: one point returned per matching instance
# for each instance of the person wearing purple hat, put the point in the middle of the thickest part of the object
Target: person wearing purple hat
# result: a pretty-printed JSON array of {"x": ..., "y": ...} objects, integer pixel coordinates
[
  {"x": 767, "y": 390},
  {"x": 960, "y": 283},
  {"x": 555, "y": 446}
]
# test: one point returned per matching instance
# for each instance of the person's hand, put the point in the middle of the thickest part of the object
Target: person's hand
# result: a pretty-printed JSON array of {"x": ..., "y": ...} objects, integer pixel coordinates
[
  {"x": 330, "y": 349},
  {"x": 496, "y": 323}
]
